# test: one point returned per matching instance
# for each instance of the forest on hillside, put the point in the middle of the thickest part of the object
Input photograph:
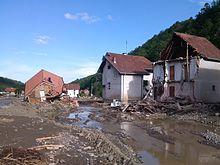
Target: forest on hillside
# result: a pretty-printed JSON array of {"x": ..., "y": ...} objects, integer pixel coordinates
[
  {"x": 206, "y": 23},
  {"x": 5, "y": 82}
]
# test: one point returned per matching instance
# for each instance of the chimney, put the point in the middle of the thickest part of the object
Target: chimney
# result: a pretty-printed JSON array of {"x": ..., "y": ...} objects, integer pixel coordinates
[{"x": 114, "y": 60}]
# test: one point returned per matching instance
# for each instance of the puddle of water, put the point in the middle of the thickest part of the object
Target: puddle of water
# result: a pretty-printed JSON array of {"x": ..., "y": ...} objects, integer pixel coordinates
[
  {"x": 82, "y": 114},
  {"x": 147, "y": 158},
  {"x": 185, "y": 150},
  {"x": 5, "y": 102}
]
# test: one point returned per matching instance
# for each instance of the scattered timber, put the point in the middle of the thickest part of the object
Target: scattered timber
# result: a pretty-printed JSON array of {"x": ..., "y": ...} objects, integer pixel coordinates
[{"x": 171, "y": 106}]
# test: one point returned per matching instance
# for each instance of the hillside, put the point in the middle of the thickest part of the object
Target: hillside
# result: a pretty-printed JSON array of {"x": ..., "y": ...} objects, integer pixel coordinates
[
  {"x": 5, "y": 82},
  {"x": 206, "y": 24},
  {"x": 92, "y": 83}
]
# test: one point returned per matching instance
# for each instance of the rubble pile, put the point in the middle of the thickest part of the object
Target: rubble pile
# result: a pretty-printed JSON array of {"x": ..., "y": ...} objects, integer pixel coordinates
[
  {"x": 105, "y": 148},
  {"x": 54, "y": 109},
  {"x": 171, "y": 107},
  {"x": 210, "y": 138},
  {"x": 21, "y": 156}
]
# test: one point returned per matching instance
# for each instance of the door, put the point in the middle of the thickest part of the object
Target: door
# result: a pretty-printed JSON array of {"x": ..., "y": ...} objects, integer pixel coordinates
[
  {"x": 172, "y": 91},
  {"x": 42, "y": 96},
  {"x": 172, "y": 73}
]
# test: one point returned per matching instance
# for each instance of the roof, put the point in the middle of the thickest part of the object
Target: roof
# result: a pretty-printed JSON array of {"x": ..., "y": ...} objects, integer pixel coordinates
[
  {"x": 10, "y": 89},
  {"x": 128, "y": 64},
  {"x": 71, "y": 86},
  {"x": 201, "y": 45},
  {"x": 45, "y": 76}
]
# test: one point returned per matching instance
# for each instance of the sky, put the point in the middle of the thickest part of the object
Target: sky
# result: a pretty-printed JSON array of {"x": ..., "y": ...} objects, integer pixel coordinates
[{"x": 70, "y": 37}]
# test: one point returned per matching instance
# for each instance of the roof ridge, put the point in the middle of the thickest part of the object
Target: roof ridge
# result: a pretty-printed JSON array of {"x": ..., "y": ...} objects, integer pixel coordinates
[{"x": 191, "y": 35}]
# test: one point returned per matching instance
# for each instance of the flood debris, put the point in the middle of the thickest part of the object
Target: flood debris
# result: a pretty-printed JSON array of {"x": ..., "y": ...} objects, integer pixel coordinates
[
  {"x": 171, "y": 106},
  {"x": 115, "y": 103},
  {"x": 121, "y": 137},
  {"x": 21, "y": 156},
  {"x": 210, "y": 138}
]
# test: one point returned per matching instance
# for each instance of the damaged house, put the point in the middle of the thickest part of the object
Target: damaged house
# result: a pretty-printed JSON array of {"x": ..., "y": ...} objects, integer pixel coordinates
[
  {"x": 122, "y": 76},
  {"x": 44, "y": 85},
  {"x": 188, "y": 67}
]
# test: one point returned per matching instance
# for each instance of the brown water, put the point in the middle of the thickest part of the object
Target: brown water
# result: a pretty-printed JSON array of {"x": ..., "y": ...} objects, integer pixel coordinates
[{"x": 183, "y": 149}]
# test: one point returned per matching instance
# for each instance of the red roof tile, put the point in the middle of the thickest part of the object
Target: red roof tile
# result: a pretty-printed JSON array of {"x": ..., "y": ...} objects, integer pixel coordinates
[
  {"x": 44, "y": 76},
  {"x": 128, "y": 64},
  {"x": 202, "y": 46},
  {"x": 72, "y": 86}
]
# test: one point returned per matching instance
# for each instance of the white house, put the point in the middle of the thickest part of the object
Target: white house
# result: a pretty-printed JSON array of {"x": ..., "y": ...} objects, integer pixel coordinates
[
  {"x": 188, "y": 67},
  {"x": 72, "y": 90},
  {"x": 122, "y": 76}
]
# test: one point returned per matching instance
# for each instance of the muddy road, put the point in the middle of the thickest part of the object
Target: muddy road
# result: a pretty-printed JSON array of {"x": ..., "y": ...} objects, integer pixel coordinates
[{"x": 98, "y": 135}]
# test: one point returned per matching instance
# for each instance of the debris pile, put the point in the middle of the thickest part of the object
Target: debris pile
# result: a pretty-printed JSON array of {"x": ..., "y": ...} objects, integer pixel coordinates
[
  {"x": 210, "y": 138},
  {"x": 54, "y": 109},
  {"x": 170, "y": 106},
  {"x": 21, "y": 156}
]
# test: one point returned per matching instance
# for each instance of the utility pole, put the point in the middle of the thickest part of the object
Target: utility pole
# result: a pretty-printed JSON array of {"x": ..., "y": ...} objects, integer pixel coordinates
[{"x": 187, "y": 61}]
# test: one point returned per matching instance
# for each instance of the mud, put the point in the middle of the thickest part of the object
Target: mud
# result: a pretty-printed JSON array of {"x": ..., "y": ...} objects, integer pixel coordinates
[
  {"x": 100, "y": 135},
  {"x": 162, "y": 139}
]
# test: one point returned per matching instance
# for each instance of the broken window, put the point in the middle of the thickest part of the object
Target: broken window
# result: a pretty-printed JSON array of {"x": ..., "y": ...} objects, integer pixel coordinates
[
  {"x": 49, "y": 79},
  {"x": 172, "y": 73}
]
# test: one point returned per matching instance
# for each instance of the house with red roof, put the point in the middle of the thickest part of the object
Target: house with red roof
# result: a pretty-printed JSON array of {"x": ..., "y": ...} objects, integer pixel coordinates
[
  {"x": 72, "y": 89},
  {"x": 43, "y": 85},
  {"x": 189, "y": 67},
  {"x": 10, "y": 90},
  {"x": 123, "y": 76}
]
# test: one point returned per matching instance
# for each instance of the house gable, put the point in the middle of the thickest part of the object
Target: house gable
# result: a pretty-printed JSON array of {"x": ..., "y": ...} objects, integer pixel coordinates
[
  {"x": 44, "y": 76},
  {"x": 197, "y": 46}
]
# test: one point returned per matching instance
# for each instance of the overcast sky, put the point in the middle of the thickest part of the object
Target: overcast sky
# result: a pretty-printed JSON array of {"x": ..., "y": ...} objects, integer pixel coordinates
[{"x": 69, "y": 37}]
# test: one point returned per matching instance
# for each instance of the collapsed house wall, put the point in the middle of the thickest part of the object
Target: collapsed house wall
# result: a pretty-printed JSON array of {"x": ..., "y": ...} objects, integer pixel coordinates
[
  {"x": 40, "y": 92},
  {"x": 111, "y": 81},
  {"x": 207, "y": 84},
  {"x": 183, "y": 83},
  {"x": 184, "y": 89},
  {"x": 43, "y": 85},
  {"x": 203, "y": 83},
  {"x": 158, "y": 72},
  {"x": 176, "y": 82}
]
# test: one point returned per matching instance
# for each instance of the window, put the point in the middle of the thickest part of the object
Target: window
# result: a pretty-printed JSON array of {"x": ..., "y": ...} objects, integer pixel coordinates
[
  {"x": 109, "y": 66},
  {"x": 172, "y": 91},
  {"x": 172, "y": 73},
  {"x": 109, "y": 85},
  {"x": 213, "y": 87}
]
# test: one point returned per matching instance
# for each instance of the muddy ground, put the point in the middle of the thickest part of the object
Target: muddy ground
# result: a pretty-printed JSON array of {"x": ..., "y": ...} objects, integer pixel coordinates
[{"x": 91, "y": 134}]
